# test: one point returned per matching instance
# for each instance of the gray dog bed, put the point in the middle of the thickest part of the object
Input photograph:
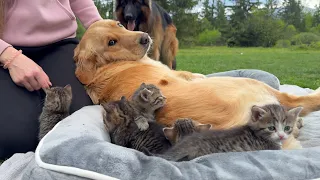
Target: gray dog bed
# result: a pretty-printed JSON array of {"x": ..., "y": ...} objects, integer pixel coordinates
[{"x": 78, "y": 148}]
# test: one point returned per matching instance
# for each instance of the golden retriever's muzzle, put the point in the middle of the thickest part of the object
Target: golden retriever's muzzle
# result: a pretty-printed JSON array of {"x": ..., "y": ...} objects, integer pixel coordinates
[{"x": 145, "y": 41}]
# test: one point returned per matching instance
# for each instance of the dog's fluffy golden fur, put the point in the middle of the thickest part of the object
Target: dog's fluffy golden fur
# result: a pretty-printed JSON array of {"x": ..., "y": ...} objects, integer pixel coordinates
[{"x": 111, "y": 72}]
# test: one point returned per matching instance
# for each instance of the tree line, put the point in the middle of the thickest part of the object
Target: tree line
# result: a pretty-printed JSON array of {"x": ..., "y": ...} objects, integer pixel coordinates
[{"x": 243, "y": 23}]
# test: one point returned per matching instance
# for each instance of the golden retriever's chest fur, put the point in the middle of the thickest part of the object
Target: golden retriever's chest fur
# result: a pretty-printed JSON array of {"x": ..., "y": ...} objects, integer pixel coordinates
[{"x": 218, "y": 101}]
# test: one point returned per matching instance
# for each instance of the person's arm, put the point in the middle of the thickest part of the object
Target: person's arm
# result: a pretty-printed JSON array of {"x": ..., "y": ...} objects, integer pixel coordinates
[
  {"x": 3, "y": 46},
  {"x": 86, "y": 11},
  {"x": 23, "y": 71}
]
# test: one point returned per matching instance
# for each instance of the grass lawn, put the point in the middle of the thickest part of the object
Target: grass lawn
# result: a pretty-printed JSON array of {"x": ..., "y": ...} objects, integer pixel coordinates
[{"x": 300, "y": 67}]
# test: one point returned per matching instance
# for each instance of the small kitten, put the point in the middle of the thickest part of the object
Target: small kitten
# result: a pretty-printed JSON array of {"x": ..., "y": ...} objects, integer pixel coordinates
[
  {"x": 269, "y": 125},
  {"x": 123, "y": 118},
  {"x": 56, "y": 107},
  {"x": 145, "y": 101},
  {"x": 182, "y": 128}
]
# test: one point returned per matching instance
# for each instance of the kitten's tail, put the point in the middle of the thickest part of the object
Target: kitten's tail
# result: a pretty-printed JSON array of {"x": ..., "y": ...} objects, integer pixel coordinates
[{"x": 170, "y": 155}]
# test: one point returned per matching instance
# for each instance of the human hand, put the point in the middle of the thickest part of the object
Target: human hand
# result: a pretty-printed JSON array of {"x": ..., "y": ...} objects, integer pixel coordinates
[{"x": 24, "y": 72}]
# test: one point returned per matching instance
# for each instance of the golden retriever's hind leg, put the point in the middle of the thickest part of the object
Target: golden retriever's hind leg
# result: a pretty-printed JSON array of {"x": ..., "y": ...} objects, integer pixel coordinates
[{"x": 310, "y": 102}]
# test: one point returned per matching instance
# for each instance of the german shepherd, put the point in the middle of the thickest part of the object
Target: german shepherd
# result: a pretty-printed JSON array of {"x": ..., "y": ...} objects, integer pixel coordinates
[{"x": 149, "y": 17}]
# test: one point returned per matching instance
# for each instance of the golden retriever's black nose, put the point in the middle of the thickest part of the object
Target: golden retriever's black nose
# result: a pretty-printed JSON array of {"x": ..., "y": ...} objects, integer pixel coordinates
[{"x": 144, "y": 39}]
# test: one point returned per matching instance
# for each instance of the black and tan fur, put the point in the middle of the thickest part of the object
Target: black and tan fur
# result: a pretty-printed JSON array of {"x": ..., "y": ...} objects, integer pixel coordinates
[{"x": 149, "y": 17}]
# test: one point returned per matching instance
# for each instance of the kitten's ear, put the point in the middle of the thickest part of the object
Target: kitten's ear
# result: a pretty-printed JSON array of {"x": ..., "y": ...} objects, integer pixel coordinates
[
  {"x": 295, "y": 112},
  {"x": 257, "y": 113},
  {"x": 170, "y": 133},
  {"x": 123, "y": 98},
  {"x": 204, "y": 127},
  {"x": 68, "y": 88},
  {"x": 143, "y": 85},
  {"x": 47, "y": 90},
  {"x": 145, "y": 94}
]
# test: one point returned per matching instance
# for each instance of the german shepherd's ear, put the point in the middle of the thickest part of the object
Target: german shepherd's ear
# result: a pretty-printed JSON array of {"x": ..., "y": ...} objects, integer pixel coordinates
[
  {"x": 118, "y": 3},
  {"x": 85, "y": 61},
  {"x": 148, "y": 3}
]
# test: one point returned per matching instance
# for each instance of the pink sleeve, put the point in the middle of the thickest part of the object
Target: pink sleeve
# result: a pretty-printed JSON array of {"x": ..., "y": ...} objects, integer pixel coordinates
[
  {"x": 86, "y": 11},
  {"x": 3, "y": 45}
]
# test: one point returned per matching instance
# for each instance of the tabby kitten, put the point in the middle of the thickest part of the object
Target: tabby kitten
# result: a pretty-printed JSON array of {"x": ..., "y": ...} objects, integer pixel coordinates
[
  {"x": 268, "y": 126},
  {"x": 182, "y": 128},
  {"x": 123, "y": 118},
  {"x": 56, "y": 107},
  {"x": 145, "y": 101}
]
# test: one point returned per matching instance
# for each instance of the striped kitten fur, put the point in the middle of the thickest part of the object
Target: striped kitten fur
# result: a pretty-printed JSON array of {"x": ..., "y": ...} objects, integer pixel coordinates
[
  {"x": 132, "y": 123},
  {"x": 182, "y": 128},
  {"x": 56, "y": 107},
  {"x": 268, "y": 126}
]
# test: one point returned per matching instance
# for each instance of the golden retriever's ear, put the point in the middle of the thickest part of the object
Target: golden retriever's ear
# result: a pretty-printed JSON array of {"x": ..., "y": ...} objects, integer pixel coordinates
[{"x": 85, "y": 62}]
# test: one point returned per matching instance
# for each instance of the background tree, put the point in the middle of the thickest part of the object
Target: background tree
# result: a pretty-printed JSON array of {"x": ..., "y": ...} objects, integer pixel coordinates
[
  {"x": 292, "y": 13},
  {"x": 236, "y": 22}
]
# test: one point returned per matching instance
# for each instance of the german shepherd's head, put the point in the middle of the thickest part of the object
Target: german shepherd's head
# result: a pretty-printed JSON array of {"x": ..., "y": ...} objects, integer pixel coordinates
[{"x": 131, "y": 13}]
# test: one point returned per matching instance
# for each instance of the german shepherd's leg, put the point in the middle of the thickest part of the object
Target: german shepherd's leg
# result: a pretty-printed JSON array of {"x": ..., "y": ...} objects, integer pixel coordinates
[
  {"x": 310, "y": 102},
  {"x": 170, "y": 46},
  {"x": 174, "y": 64},
  {"x": 157, "y": 35}
]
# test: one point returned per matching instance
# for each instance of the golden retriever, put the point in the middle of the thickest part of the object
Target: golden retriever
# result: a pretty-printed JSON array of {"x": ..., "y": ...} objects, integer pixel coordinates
[{"x": 111, "y": 62}]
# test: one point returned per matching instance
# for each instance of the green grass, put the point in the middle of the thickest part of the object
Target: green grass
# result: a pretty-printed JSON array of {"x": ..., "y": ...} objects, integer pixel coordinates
[{"x": 299, "y": 67}]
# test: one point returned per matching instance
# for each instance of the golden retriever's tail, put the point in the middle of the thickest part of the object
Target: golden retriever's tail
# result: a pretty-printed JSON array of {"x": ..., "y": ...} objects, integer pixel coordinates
[{"x": 310, "y": 102}]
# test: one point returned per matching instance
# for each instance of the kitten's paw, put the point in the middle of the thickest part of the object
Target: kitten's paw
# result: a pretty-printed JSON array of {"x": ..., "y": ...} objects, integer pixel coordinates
[
  {"x": 104, "y": 114},
  {"x": 300, "y": 123},
  {"x": 142, "y": 123},
  {"x": 143, "y": 126}
]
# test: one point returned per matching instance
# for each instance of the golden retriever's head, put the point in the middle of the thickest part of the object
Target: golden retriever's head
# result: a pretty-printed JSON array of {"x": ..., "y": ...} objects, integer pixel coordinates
[{"x": 108, "y": 41}]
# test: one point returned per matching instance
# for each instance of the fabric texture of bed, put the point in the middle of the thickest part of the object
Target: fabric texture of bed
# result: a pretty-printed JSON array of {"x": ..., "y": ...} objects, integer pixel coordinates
[{"x": 79, "y": 148}]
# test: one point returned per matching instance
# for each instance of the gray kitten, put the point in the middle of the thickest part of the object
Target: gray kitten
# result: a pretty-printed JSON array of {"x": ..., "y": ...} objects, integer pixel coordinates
[
  {"x": 123, "y": 118},
  {"x": 182, "y": 128},
  {"x": 145, "y": 101},
  {"x": 56, "y": 107},
  {"x": 268, "y": 126}
]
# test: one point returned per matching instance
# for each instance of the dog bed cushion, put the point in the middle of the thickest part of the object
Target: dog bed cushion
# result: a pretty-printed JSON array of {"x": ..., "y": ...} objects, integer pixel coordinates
[{"x": 79, "y": 148}]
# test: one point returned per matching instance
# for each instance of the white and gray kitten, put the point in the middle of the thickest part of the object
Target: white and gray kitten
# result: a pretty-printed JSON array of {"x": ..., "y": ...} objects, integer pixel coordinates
[{"x": 268, "y": 127}]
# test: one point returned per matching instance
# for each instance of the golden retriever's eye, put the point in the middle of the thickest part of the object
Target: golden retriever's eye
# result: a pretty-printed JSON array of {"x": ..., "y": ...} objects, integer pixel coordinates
[
  {"x": 112, "y": 42},
  {"x": 120, "y": 25}
]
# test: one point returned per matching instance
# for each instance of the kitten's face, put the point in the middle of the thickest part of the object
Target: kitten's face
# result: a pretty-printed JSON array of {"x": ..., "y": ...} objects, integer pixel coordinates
[
  {"x": 113, "y": 117},
  {"x": 58, "y": 98},
  {"x": 275, "y": 121},
  {"x": 182, "y": 128},
  {"x": 149, "y": 96}
]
